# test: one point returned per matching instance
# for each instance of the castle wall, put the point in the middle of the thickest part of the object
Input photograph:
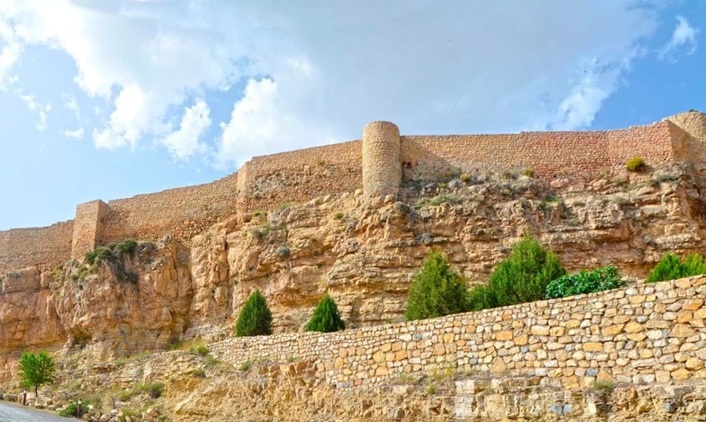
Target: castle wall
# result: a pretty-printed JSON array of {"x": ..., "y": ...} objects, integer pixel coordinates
[
  {"x": 88, "y": 227},
  {"x": 582, "y": 154},
  {"x": 45, "y": 247},
  {"x": 298, "y": 176},
  {"x": 642, "y": 334},
  {"x": 182, "y": 212}
]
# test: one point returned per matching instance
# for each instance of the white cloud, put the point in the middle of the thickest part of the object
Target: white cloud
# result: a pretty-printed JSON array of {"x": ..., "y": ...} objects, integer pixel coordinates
[
  {"x": 684, "y": 36},
  {"x": 75, "y": 134},
  {"x": 41, "y": 109},
  {"x": 318, "y": 72},
  {"x": 71, "y": 104},
  {"x": 184, "y": 142}
]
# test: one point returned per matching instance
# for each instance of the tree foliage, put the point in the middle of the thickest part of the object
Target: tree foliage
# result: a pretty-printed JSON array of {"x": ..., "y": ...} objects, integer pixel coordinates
[
  {"x": 522, "y": 277},
  {"x": 36, "y": 369},
  {"x": 670, "y": 267},
  {"x": 255, "y": 318},
  {"x": 436, "y": 290},
  {"x": 326, "y": 318},
  {"x": 605, "y": 278}
]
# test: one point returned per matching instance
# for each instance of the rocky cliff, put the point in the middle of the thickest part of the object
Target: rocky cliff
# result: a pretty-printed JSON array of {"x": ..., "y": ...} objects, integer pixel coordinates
[{"x": 362, "y": 251}]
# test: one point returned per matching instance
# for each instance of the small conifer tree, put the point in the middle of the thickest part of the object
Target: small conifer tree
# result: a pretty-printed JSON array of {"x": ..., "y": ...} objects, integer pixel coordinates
[
  {"x": 255, "y": 318},
  {"x": 522, "y": 277},
  {"x": 326, "y": 318},
  {"x": 436, "y": 290}
]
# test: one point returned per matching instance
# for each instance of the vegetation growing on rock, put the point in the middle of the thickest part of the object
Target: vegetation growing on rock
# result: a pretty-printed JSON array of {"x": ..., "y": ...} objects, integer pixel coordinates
[{"x": 255, "y": 319}]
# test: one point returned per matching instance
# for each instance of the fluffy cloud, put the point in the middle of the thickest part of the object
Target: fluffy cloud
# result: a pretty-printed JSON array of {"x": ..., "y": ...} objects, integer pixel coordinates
[
  {"x": 684, "y": 36},
  {"x": 184, "y": 142},
  {"x": 317, "y": 72}
]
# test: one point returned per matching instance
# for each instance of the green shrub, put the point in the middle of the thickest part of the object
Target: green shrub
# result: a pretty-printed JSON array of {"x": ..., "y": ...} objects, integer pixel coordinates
[
  {"x": 605, "y": 278},
  {"x": 670, "y": 267},
  {"x": 338, "y": 215},
  {"x": 465, "y": 177},
  {"x": 636, "y": 164},
  {"x": 72, "y": 410},
  {"x": 154, "y": 390},
  {"x": 200, "y": 350},
  {"x": 198, "y": 373},
  {"x": 443, "y": 199},
  {"x": 436, "y": 290},
  {"x": 126, "y": 247},
  {"x": 522, "y": 277},
  {"x": 245, "y": 366},
  {"x": 255, "y": 319},
  {"x": 326, "y": 318}
]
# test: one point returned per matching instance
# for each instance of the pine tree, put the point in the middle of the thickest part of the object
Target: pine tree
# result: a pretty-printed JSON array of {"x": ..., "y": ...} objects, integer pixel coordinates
[
  {"x": 255, "y": 318},
  {"x": 436, "y": 290},
  {"x": 37, "y": 369},
  {"x": 522, "y": 277},
  {"x": 326, "y": 318}
]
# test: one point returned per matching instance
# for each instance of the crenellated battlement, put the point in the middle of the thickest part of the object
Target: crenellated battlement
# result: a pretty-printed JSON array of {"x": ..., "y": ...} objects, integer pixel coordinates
[{"x": 377, "y": 164}]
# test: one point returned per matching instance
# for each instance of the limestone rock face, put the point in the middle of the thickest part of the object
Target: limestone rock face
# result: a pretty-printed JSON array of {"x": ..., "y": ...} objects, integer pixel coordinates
[{"x": 363, "y": 251}]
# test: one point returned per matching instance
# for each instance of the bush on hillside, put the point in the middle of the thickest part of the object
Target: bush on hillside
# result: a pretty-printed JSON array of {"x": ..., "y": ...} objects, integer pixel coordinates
[
  {"x": 636, "y": 164},
  {"x": 521, "y": 277},
  {"x": 670, "y": 267},
  {"x": 326, "y": 318},
  {"x": 255, "y": 319},
  {"x": 605, "y": 278},
  {"x": 436, "y": 290}
]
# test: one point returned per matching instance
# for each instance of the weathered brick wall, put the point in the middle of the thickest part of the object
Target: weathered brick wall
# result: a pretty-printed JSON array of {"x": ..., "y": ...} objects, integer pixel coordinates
[
  {"x": 648, "y": 333},
  {"x": 88, "y": 227},
  {"x": 582, "y": 154},
  {"x": 45, "y": 246},
  {"x": 181, "y": 212},
  {"x": 298, "y": 176}
]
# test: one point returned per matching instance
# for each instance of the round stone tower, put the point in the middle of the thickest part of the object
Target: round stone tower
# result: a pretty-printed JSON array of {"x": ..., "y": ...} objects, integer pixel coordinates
[
  {"x": 692, "y": 122},
  {"x": 382, "y": 168}
]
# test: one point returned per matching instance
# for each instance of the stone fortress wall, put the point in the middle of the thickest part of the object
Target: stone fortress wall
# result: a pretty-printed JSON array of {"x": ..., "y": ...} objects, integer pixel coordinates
[
  {"x": 378, "y": 164},
  {"x": 642, "y": 334}
]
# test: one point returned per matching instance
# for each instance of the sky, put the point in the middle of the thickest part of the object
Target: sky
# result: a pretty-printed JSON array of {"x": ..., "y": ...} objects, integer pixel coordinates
[{"x": 106, "y": 99}]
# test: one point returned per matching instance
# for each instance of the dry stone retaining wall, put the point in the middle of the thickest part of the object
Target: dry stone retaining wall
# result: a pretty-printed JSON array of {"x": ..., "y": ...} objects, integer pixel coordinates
[{"x": 649, "y": 333}]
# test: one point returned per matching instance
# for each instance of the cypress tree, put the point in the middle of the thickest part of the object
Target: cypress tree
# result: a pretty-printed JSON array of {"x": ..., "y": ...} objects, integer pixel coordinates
[
  {"x": 326, "y": 318},
  {"x": 255, "y": 318}
]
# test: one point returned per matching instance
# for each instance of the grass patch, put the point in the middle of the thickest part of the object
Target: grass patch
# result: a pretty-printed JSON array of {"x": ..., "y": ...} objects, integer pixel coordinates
[{"x": 154, "y": 390}]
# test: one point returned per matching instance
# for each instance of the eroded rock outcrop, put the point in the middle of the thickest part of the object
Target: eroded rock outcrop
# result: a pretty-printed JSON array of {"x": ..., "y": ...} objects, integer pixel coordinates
[{"x": 362, "y": 251}]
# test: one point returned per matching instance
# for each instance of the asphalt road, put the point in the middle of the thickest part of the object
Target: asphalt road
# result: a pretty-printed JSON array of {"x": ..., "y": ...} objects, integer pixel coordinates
[{"x": 10, "y": 412}]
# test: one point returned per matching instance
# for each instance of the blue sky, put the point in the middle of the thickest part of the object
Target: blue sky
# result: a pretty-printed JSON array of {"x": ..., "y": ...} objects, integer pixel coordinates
[{"x": 111, "y": 98}]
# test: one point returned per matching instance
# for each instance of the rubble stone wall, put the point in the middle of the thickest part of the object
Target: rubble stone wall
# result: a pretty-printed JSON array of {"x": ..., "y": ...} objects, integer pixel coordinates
[{"x": 44, "y": 247}]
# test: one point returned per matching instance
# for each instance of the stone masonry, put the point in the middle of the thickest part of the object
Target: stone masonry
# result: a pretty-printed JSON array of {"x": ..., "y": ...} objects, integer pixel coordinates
[
  {"x": 643, "y": 334},
  {"x": 378, "y": 164}
]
